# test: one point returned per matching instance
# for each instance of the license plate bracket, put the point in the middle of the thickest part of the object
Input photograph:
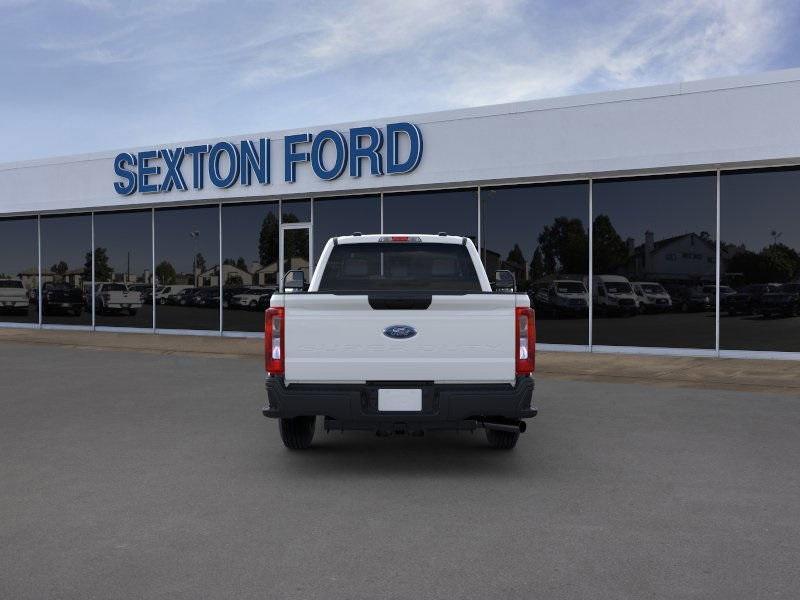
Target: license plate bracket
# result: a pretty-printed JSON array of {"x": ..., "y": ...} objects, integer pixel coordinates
[{"x": 399, "y": 400}]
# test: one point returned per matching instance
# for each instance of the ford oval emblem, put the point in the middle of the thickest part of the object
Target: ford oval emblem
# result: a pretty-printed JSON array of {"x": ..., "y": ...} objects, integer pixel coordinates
[{"x": 400, "y": 332}]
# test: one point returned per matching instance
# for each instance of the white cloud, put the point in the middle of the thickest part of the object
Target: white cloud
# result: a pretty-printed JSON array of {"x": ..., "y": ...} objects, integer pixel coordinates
[{"x": 678, "y": 40}]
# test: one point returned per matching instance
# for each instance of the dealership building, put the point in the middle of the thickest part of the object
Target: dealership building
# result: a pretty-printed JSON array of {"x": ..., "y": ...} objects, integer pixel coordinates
[{"x": 653, "y": 220}]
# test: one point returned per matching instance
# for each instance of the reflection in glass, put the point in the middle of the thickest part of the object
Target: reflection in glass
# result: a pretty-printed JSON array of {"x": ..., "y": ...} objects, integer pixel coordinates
[
  {"x": 760, "y": 260},
  {"x": 250, "y": 263},
  {"x": 454, "y": 212},
  {"x": 540, "y": 233},
  {"x": 296, "y": 211},
  {"x": 19, "y": 270},
  {"x": 67, "y": 269},
  {"x": 344, "y": 216},
  {"x": 654, "y": 260},
  {"x": 187, "y": 268},
  {"x": 122, "y": 269},
  {"x": 295, "y": 251}
]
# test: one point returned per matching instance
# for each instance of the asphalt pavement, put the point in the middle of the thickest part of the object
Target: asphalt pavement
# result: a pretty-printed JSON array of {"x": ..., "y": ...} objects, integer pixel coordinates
[{"x": 137, "y": 475}]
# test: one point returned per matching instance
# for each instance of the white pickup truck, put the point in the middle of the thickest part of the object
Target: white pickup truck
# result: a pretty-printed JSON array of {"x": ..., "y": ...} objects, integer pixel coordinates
[
  {"x": 116, "y": 297},
  {"x": 13, "y": 296},
  {"x": 399, "y": 334}
]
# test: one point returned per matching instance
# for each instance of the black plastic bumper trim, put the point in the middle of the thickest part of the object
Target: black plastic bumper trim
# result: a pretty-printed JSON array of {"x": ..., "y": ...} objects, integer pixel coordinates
[{"x": 442, "y": 404}]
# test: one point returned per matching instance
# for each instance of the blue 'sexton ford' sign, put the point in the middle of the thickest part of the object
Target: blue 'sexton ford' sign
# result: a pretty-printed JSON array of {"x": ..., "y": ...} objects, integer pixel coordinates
[{"x": 226, "y": 163}]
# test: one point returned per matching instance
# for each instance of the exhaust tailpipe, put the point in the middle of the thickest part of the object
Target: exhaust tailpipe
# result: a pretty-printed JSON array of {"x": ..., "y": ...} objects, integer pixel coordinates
[{"x": 518, "y": 427}]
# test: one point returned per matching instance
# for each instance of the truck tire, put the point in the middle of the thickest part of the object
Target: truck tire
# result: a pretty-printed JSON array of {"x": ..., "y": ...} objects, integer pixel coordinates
[
  {"x": 502, "y": 440},
  {"x": 298, "y": 432}
]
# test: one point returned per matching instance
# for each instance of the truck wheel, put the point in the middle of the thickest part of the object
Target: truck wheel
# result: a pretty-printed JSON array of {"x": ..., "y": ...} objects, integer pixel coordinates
[
  {"x": 502, "y": 440},
  {"x": 297, "y": 433}
]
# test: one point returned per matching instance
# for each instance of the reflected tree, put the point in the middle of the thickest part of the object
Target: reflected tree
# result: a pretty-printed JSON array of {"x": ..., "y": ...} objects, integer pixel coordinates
[
  {"x": 610, "y": 250},
  {"x": 537, "y": 265},
  {"x": 60, "y": 268},
  {"x": 564, "y": 246},
  {"x": 165, "y": 273},
  {"x": 775, "y": 263},
  {"x": 102, "y": 270},
  {"x": 268, "y": 241}
]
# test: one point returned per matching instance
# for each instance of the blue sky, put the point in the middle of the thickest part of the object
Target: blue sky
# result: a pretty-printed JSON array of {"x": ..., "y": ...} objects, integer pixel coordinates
[{"x": 88, "y": 75}]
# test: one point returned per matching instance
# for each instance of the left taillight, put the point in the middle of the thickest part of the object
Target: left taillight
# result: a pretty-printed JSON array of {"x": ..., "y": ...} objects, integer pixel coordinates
[
  {"x": 525, "y": 347},
  {"x": 274, "y": 320}
]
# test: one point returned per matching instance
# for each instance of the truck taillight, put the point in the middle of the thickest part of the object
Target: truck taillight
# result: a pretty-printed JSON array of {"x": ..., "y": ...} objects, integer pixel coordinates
[
  {"x": 273, "y": 340},
  {"x": 525, "y": 346}
]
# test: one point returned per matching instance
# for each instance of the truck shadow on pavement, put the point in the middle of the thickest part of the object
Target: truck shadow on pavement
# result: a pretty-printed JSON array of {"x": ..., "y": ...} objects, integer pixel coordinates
[{"x": 445, "y": 454}]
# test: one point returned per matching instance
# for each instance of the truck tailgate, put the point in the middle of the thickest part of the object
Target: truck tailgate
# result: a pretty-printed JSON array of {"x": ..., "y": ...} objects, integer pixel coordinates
[{"x": 340, "y": 338}]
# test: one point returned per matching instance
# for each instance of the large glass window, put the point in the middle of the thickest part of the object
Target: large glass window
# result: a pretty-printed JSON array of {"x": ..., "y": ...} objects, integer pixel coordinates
[
  {"x": 344, "y": 216},
  {"x": 540, "y": 233},
  {"x": 19, "y": 270},
  {"x": 123, "y": 292},
  {"x": 187, "y": 269},
  {"x": 760, "y": 260},
  {"x": 67, "y": 269},
  {"x": 454, "y": 212},
  {"x": 655, "y": 261},
  {"x": 249, "y": 264}
]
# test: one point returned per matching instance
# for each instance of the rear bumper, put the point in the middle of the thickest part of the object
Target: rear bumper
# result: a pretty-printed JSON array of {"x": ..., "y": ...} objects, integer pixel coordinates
[{"x": 444, "y": 406}]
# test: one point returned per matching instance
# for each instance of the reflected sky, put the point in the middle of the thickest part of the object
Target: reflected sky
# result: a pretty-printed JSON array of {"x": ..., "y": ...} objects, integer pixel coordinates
[
  {"x": 66, "y": 238},
  {"x": 754, "y": 204},
  {"x": 454, "y": 212},
  {"x": 241, "y": 229},
  {"x": 174, "y": 241},
  {"x": 125, "y": 235},
  {"x": 667, "y": 206},
  {"x": 18, "y": 246},
  {"x": 344, "y": 216},
  {"x": 517, "y": 215}
]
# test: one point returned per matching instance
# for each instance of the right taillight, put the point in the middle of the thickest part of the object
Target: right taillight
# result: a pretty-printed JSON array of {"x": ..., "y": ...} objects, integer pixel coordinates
[
  {"x": 273, "y": 340},
  {"x": 525, "y": 346}
]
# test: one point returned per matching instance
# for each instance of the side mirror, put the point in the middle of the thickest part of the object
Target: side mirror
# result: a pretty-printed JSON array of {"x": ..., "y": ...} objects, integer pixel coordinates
[
  {"x": 504, "y": 281},
  {"x": 294, "y": 281}
]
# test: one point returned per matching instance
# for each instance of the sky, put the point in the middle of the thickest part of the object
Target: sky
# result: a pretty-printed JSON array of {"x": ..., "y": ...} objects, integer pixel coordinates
[{"x": 90, "y": 75}]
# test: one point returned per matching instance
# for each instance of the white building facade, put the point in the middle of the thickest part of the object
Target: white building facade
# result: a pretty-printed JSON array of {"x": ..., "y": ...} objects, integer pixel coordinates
[{"x": 621, "y": 183}]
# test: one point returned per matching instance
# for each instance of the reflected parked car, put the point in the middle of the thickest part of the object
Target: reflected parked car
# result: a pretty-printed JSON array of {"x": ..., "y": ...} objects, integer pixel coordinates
[
  {"x": 228, "y": 292},
  {"x": 61, "y": 298},
  {"x": 613, "y": 294},
  {"x": 562, "y": 297},
  {"x": 13, "y": 296},
  {"x": 183, "y": 297},
  {"x": 724, "y": 292},
  {"x": 690, "y": 299},
  {"x": 785, "y": 301},
  {"x": 249, "y": 298},
  {"x": 747, "y": 300},
  {"x": 205, "y": 297},
  {"x": 651, "y": 297},
  {"x": 116, "y": 298},
  {"x": 168, "y": 293}
]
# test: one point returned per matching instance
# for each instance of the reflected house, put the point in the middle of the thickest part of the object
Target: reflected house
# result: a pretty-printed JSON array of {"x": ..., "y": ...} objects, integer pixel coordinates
[
  {"x": 73, "y": 277},
  {"x": 686, "y": 257},
  {"x": 210, "y": 277},
  {"x": 268, "y": 276}
]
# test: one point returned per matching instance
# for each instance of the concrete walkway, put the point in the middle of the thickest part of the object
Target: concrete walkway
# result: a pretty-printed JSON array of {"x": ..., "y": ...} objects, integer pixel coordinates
[{"x": 773, "y": 376}]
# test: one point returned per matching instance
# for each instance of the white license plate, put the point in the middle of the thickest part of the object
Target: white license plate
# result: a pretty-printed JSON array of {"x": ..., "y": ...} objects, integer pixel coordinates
[{"x": 399, "y": 400}]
